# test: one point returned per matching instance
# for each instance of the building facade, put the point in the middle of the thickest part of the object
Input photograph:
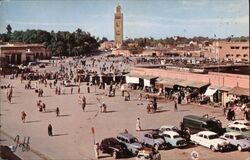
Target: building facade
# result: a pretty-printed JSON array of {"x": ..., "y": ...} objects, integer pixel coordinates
[
  {"x": 23, "y": 53},
  {"x": 107, "y": 46},
  {"x": 118, "y": 27},
  {"x": 233, "y": 51}
]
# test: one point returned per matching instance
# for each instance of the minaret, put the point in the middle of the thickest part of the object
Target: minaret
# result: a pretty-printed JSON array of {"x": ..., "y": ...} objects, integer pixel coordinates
[{"x": 118, "y": 26}]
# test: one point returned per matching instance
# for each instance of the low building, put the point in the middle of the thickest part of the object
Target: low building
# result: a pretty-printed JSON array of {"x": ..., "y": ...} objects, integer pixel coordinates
[
  {"x": 23, "y": 53},
  {"x": 107, "y": 46},
  {"x": 121, "y": 52},
  {"x": 234, "y": 51}
]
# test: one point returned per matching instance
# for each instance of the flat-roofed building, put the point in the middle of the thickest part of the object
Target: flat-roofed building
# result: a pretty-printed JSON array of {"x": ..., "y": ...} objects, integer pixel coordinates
[
  {"x": 23, "y": 53},
  {"x": 235, "y": 51}
]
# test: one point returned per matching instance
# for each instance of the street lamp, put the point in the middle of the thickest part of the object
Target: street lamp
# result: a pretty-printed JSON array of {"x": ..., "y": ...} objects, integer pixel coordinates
[{"x": 218, "y": 62}]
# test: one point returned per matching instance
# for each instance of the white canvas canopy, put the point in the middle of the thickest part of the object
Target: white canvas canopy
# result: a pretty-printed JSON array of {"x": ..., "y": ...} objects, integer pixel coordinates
[
  {"x": 210, "y": 91},
  {"x": 147, "y": 83},
  {"x": 132, "y": 80}
]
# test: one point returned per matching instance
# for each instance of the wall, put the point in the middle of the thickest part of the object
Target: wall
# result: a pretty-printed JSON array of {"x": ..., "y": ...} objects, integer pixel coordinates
[{"x": 221, "y": 79}]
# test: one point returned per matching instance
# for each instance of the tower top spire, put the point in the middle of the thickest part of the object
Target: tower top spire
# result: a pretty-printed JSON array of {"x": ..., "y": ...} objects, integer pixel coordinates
[{"x": 118, "y": 8}]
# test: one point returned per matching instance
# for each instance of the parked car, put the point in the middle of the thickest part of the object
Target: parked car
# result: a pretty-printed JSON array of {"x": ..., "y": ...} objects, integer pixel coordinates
[
  {"x": 237, "y": 140},
  {"x": 243, "y": 122},
  {"x": 153, "y": 139},
  {"x": 68, "y": 83},
  {"x": 193, "y": 124},
  {"x": 175, "y": 129},
  {"x": 113, "y": 147},
  {"x": 244, "y": 130},
  {"x": 210, "y": 140},
  {"x": 133, "y": 145},
  {"x": 148, "y": 154},
  {"x": 41, "y": 65},
  {"x": 174, "y": 139}
]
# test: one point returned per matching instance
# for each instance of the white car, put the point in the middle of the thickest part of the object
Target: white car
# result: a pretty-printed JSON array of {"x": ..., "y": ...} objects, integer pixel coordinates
[
  {"x": 68, "y": 83},
  {"x": 168, "y": 128},
  {"x": 237, "y": 140},
  {"x": 242, "y": 122},
  {"x": 210, "y": 140},
  {"x": 174, "y": 139},
  {"x": 243, "y": 129}
]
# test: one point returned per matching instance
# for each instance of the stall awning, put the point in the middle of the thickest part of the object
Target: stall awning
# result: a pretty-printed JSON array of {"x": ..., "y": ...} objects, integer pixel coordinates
[
  {"x": 168, "y": 83},
  {"x": 210, "y": 91},
  {"x": 238, "y": 91},
  {"x": 132, "y": 80},
  {"x": 198, "y": 84},
  {"x": 147, "y": 83}
]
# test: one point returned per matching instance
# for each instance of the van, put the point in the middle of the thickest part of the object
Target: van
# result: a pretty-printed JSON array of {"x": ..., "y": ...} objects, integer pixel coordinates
[{"x": 193, "y": 124}]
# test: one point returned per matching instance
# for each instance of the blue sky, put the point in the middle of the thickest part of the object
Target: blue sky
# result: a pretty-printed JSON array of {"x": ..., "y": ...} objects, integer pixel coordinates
[{"x": 142, "y": 18}]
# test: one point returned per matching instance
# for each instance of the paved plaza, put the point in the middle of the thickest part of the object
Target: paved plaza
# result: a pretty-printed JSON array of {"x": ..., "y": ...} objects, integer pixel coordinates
[{"x": 72, "y": 137}]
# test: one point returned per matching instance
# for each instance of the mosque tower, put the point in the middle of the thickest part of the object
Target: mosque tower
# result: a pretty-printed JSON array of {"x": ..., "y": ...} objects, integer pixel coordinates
[{"x": 118, "y": 26}]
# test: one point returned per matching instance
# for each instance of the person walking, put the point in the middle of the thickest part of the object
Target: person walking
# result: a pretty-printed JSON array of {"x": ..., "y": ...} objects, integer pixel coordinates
[
  {"x": 138, "y": 124},
  {"x": 104, "y": 107},
  {"x": 140, "y": 96},
  {"x": 78, "y": 90},
  {"x": 148, "y": 108},
  {"x": 97, "y": 148},
  {"x": 23, "y": 116},
  {"x": 83, "y": 103},
  {"x": 71, "y": 90},
  {"x": 175, "y": 105},
  {"x": 88, "y": 89},
  {"x": 44, "y": 107},
  {"x": 57, "y": 111},
  {"x": 50, "y": 130}
]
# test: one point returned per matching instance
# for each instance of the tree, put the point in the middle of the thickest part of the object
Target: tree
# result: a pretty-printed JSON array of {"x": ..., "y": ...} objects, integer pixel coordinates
[{"x": 9, "y": 29}]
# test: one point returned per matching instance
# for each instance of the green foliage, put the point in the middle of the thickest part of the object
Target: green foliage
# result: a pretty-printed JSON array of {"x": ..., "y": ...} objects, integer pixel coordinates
[
  {"x": 9, "y": 29},
  {"x": 62, "y": 43}
]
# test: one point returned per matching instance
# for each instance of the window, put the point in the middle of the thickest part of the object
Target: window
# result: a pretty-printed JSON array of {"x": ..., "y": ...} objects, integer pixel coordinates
[
  {"x": 168, "y": 136},
  {"x": 231, "y": 137},
  {"x": 205, "y": 137},
  {"x": 237, "y": 129},
  {"x": 232, "y": 47},
  {"x": 227, "y": 136},
  {"x": 237, "y": 47},
  {"x": 244, "y": 47}
]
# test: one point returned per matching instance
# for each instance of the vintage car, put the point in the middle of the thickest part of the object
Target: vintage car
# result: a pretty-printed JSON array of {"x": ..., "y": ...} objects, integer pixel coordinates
[
  {"x": 153, "y": 139},
  {"x": 113, "y": 147},
  {"x": 168, "y": 128},
  {"x": 174, "y": 139},
  {"x": 237, "y": 140},
  {"x": 210, "y": 140},
  {"x": 243, "y": 122},
  {"x": 68, "y": 83},
  {"x": 244, "y": 130},
  {"x": 175, "y": 129},
  {"x": 133, "y": 145},
  {"x": 148, "y": 154}
]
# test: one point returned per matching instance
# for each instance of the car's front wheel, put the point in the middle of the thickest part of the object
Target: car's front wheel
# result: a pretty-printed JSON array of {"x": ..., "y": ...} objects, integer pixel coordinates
[
  {"x": 212, "y": 148},
  {"x": 114, "y": 155},
  {"x": 239, "y": 148}
]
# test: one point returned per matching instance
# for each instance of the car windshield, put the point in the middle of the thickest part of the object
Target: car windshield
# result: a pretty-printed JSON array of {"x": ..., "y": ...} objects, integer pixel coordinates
[
  {"x": 244, "y": 129},
  {"x": 175, "y": 129},
  {"x": 214, "y": 125},
  {"x": 238, "y": 137},
  {"x": 176, "y": 136},
  {"x": 133, "y": 140},
  {"x": 213, "y": 136},
  {"x": 156, "y": 136}
]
